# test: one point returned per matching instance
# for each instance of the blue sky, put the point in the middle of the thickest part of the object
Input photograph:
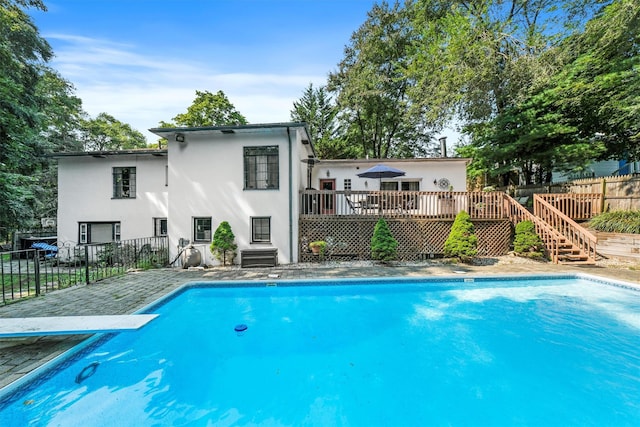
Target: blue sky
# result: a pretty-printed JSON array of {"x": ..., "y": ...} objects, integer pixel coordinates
[{"x": 142, "y": 60}]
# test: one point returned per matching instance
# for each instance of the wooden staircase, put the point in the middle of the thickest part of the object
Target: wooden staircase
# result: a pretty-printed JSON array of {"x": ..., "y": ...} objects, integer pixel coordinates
[
  {"x": 566, "y": 241},
  {"x": 579, "y": 244}
]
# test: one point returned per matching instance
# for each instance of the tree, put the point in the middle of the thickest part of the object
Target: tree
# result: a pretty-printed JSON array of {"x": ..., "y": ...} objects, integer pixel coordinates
[
  {"x": 105, "y": 133},
  {"x": 462, "y": 242},
  {"x": 23, "y": 57},
  {"x": 210, "y": 110},
  {"x": 598, "y": 90},
  {"x": 318, "y": 111},
  {"x": 473, "y": 59},
  {"x": 586, "y": 111},
  {"x": 384, "y": 247},
  {"x": 61, "y": 114},
  {"x": 223, "y": 245},
  {"x": 376, "y": 115}
]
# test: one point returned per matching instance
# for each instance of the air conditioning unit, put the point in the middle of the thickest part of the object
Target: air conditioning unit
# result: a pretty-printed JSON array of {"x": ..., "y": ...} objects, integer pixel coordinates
[{"x": 48, "y": 222}]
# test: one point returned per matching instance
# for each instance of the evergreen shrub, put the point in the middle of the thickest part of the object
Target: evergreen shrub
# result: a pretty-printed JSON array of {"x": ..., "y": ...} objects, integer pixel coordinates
[
  {"x": 462, "y": 242},
  {"x": 526, "y": 242},
  {"x": 223, "y": 245},
  {"x": 384, "y": 247}
]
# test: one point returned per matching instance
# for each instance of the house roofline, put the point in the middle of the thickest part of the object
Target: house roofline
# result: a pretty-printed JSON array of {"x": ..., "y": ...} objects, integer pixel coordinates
[
  {"x": 247, "y": 127},
  {"x": 172, "y": 133},
  {"x": 466, "y": 160},
  {"x": 101, "y": 154}
]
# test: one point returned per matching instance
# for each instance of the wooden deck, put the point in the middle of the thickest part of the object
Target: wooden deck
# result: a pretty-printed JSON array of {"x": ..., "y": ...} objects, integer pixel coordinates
[{"x": 554, "y": 216}]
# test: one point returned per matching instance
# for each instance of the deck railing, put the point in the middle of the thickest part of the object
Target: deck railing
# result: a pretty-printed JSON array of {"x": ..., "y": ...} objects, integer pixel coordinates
[
  {"x": 576, "y": 206},
  {"x": 401, "y": 204},
  {"x": 551, "y": 237},
  {"x": 571, "y": 230}
]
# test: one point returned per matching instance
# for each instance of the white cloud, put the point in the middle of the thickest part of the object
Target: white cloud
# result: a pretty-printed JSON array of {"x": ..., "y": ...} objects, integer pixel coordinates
[{"x": 143, "y": 89}]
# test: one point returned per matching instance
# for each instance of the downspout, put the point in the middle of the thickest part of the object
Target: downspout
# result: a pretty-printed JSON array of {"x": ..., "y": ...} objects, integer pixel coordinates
[{"x": 290, "y": 198}]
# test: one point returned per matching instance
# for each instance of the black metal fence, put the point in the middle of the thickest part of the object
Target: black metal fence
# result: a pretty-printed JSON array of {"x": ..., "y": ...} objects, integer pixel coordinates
[{"x": 31, "y": 272}]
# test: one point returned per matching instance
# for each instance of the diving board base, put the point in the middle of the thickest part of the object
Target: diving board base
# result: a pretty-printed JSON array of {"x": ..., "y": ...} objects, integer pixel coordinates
[{"x": 71, "y": 325}]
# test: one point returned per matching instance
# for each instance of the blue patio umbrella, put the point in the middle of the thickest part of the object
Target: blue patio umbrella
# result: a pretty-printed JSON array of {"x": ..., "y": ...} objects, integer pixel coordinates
[{"x": 381, "y": 171}]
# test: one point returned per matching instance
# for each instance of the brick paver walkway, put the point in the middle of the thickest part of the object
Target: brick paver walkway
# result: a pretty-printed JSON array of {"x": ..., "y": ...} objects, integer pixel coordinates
[{"x": 133, "y": 291}]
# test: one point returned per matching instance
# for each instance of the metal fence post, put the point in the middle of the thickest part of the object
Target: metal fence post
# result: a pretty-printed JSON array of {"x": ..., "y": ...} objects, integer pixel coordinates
[
  {"x": 36, "y": 270},
  {"x": 86, "y": 264}
]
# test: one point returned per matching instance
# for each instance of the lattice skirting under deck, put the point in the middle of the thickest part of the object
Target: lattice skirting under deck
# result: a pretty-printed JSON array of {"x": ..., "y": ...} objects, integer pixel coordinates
[{"x": 418, "y": 239}]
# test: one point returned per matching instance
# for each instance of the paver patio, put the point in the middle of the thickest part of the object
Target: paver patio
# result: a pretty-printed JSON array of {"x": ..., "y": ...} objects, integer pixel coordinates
[{"x": 129, "y": 293}]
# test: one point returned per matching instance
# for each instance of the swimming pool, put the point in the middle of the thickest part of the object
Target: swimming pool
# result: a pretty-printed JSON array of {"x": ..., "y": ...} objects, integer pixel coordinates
[{"x": 552, "y": 350}]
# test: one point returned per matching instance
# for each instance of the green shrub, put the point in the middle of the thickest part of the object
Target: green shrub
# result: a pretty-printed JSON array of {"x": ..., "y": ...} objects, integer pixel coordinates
[
  {"x": 384, "y": 247},
  {"x": 617, "y": 222},
  {"x": 526, "y": 242},
  {"x": 223, "y": 246},
  {"x": 462, "y": 242}
]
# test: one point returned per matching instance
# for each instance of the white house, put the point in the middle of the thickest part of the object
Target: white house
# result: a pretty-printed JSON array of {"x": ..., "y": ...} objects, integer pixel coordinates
[
  {"x": 251, "y": 176},
  {"x": 248, "y": 175},
  {"x": 111, "y": 195},
  {"x": 428, "y": 174}
]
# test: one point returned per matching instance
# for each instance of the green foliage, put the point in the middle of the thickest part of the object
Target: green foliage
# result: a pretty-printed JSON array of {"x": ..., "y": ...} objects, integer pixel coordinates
[
  {"x": 617, "y": 222},
  {"x": 371, "y": 90},
  {"x": 526, "y": 242},
  {"x": 210, "y": 109},
  {"x": 384, "y": 247},
  {"x": 319, "y": 247},
  {"x": 23, "y": 57},
  {"x": 106, "y": 133},
  {"x": 462, "y": 242},
  {"x": 223, "y": 245},
  {"x": 318, "y": 111}
]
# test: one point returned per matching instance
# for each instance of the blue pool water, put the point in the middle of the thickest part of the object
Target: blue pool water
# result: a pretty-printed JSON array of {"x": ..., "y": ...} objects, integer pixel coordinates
[{"x": 527, "y": 351}]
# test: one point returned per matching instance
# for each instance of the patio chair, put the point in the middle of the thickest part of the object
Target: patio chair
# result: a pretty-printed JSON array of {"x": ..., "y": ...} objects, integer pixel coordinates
[{"x": 353, "y": 205}]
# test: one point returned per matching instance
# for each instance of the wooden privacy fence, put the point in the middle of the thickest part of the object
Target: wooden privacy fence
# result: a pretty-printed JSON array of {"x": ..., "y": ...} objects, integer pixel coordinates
[{"x": 620, "y": 192}]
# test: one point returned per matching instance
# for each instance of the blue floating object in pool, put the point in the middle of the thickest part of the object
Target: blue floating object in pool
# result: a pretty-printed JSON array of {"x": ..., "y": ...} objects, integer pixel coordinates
[{"x": 240, "y": 328}]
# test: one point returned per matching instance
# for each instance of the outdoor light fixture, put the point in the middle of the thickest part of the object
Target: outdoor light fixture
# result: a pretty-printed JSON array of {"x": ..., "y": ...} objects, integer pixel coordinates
[
  {"x": 435, "y": 182},
  {"x": 328, "y": 173},
  {"x": 179, "y": 137}
]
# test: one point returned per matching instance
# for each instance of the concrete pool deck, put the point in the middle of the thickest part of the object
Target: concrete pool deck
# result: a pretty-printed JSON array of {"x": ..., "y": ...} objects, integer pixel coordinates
[{"x": 128, "y": 293}]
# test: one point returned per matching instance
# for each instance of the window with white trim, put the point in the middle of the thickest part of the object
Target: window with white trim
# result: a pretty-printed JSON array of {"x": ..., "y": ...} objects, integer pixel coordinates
[
  {"x": 159, "y": 227},
  {"x": 260, "y": 229},
  {"x": 261, "y": 168},
  {"x": 98, "y": 232},
  {"x": 347, "y": 184}
]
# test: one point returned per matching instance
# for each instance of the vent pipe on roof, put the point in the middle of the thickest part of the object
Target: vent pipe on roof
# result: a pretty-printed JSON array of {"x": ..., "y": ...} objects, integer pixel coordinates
[{"x": 443, "y": 146}]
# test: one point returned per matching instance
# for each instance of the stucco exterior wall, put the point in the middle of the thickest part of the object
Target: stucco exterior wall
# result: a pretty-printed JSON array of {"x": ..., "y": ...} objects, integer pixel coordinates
[
  {"x": 425, "y": 171},
  {"x": 85, "y": 190},
  {"x": 206, "y": 179}
]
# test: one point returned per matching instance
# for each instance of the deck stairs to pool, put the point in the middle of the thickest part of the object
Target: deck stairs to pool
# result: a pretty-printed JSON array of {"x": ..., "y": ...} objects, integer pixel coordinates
[{"x": 567, "y": 242}]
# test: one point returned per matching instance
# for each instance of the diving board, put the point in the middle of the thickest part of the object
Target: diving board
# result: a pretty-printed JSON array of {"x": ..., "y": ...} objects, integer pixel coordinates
[{"x": 71, "y": 325}]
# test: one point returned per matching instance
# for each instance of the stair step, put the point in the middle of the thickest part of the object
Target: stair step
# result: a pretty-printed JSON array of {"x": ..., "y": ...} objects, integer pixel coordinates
[
  {"x": 578, "y": 263},
  {"x": 573, "y": 257}
]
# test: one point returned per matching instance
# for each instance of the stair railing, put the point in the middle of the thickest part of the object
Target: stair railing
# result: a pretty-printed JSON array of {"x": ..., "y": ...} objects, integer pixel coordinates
[
  {"x": 551, "y": 238},
  {"x": 571, "y": 230}
]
